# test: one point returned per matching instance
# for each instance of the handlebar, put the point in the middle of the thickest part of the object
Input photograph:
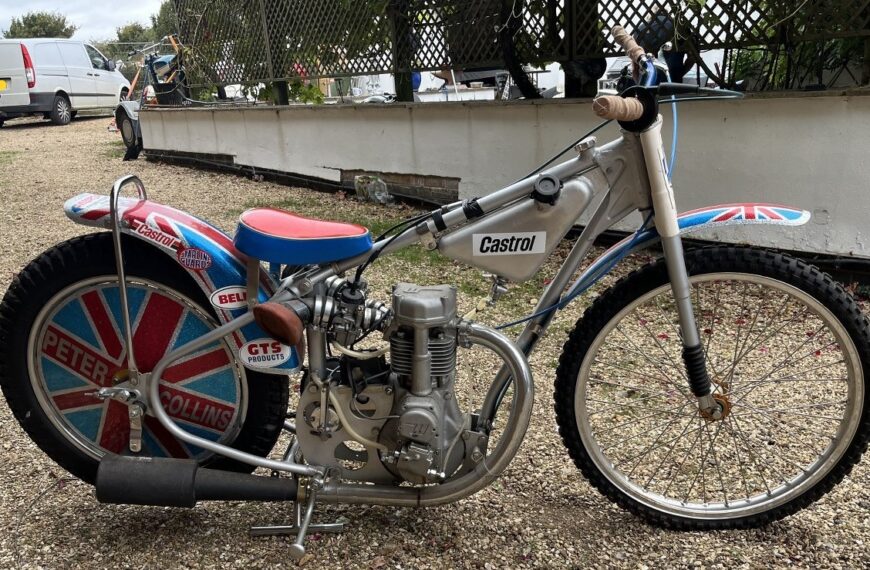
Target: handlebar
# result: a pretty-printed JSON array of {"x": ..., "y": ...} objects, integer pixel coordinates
[
  {"x": 624, "y": 39},
  {"x": 618, "y": 108},
  {"x": 641, "y": 102}
]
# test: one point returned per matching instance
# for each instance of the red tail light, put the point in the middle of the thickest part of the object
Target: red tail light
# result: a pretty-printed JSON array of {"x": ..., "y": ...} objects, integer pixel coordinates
[{"x": 28, "y": 67}]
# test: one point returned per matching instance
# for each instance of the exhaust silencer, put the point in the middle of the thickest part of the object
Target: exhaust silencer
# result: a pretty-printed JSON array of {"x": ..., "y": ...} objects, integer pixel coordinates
[{"x": 163, "y": 482}]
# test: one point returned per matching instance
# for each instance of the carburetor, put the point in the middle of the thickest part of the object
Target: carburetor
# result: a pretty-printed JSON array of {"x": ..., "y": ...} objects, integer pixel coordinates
[
  {"x": 345, "y": 311},
  {"x": 428, "y": 423}
]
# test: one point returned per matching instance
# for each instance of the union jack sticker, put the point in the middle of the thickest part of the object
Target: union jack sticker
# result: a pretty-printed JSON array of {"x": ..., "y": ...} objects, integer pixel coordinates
[
  {"x": 80, "y": 350},
  {"x": 745, "y": 213}
]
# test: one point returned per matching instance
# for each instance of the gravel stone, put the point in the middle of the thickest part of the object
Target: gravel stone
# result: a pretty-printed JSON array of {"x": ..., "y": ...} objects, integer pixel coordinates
[{"x": 539, "y": 514}]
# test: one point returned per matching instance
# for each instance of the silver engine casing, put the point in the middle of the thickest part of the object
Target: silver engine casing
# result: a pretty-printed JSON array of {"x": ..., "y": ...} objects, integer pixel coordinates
[
  {"x": 426, "y": 434},
  {"x": 412, "y": 410}
]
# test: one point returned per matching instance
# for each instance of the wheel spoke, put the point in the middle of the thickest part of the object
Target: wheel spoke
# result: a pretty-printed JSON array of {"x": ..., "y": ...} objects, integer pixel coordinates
[
  {"x": 685, "y": 456},
  {"x": 631, "y": 388},
  {"x": 635, "y": 460},
  {"x": 656, "y": 365},
  {"x": 777, "y": 369},
  {"x": 668, "y": 454}
]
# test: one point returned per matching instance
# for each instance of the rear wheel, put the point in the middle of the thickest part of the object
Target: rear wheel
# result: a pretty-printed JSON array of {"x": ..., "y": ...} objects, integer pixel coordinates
[
  {"x": 787, "y": 350},
  {"x": 61, "y": 111},
  {"x": 60, "y": 341}
]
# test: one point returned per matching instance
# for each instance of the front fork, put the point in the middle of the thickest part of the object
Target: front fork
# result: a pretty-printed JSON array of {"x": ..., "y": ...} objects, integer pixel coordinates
[{"x": 668, "y": 228}]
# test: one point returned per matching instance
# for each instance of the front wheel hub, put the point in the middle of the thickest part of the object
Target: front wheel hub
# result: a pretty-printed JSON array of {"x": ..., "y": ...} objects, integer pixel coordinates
[{"x": 724, "y": 409}]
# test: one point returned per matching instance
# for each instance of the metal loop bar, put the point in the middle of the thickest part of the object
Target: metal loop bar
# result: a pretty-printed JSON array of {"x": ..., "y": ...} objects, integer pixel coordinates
[{"x": 114, "y": 196}]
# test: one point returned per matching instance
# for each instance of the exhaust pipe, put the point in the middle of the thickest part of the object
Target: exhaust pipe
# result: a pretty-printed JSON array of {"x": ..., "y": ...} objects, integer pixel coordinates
[{"x": 163, "y": 482}]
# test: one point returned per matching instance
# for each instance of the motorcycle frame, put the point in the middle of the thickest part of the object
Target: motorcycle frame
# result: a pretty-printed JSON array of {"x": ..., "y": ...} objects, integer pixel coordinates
[{"x": 628, "y": 174}]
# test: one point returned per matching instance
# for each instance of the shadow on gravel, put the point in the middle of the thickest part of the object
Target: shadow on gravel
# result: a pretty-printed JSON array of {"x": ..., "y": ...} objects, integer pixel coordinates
[{"x": 20, "y": 125}]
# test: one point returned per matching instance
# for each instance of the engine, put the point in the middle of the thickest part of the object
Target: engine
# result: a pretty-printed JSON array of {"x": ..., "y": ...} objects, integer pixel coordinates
[
  {"x": 423, "y": 344},
  {"x": 385, "y": 420}
]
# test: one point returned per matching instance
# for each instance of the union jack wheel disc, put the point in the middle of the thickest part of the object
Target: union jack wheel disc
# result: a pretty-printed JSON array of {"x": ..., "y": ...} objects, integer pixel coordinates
[{"x": 76, "y": 347}]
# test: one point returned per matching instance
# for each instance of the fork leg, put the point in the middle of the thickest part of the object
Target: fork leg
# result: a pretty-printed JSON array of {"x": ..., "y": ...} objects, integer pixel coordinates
[
  {"x": 662, "y": 194},
  {"x": 693, "y": 351}
]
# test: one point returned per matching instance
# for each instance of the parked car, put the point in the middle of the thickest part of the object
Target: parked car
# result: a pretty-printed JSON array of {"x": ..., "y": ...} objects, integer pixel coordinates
[{"x": 56, "y": 78}]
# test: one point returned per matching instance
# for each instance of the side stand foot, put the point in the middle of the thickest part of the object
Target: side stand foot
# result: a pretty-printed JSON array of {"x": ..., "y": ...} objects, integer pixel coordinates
[{"x": 301, "y": 528}]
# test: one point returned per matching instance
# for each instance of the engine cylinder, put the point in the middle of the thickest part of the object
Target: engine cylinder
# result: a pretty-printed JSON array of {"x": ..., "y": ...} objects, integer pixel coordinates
[
  {"x": 423, "y": 337},
  {"x": 442, "y": 348}
]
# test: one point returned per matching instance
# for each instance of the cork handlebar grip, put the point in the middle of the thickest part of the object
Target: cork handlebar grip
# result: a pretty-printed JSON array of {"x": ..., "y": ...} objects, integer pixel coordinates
[
  {"x": 632, "y": 50},
  {"x": 618, "y": 108}
]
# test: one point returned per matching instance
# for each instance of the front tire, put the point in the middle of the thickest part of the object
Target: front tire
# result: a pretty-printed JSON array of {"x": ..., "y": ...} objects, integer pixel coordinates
[
  {"x": 787, "y": 349},
  {"x": 60, "y": 340},
  {"x": 61, "y": 111}
]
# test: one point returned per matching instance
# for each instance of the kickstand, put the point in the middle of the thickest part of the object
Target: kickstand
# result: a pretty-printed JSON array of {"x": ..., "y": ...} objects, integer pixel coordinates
[{"x": 301, "y": 528}]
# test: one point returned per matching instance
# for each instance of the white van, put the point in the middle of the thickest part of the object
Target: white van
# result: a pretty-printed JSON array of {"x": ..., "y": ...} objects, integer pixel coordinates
[{"x": 56, "y": 78}]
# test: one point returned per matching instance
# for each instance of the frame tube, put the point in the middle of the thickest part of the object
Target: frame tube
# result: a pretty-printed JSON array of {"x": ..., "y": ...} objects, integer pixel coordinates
[{"x": 156, "y": 406}]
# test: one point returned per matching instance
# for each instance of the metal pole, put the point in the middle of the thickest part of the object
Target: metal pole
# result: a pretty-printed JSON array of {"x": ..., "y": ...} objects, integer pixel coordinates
[{"x": 266, "y": 42}]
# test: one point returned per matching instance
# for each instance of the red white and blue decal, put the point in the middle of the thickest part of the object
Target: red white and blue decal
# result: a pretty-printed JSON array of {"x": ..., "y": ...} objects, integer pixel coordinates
[
  {"x": 81, "y": 349},
  {"x": 745, "y": 213},
  {"x": 206, "y": 253},
  {"x": 712, "y": 216}
]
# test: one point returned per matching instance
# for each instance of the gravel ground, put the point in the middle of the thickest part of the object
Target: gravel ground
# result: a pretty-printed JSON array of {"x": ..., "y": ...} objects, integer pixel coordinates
[{"x": 541, "y": 513}]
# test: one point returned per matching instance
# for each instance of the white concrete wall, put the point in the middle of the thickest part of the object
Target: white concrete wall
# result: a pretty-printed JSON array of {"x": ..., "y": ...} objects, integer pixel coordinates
[{"x": 808, "y": 151}]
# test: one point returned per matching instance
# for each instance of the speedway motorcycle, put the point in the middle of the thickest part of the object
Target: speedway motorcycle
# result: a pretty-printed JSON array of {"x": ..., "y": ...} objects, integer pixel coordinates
[{"x": 713, "y": 388}]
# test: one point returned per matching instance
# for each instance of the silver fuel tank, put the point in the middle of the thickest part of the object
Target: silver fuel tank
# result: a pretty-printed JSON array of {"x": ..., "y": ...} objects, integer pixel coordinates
[{"x": 515, "y": 241}]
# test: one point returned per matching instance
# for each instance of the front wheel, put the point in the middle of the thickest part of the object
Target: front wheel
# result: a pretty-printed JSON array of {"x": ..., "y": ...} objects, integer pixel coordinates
[
  {"x": 787, "y": 349},
  {"x": 61, "y": 341}
]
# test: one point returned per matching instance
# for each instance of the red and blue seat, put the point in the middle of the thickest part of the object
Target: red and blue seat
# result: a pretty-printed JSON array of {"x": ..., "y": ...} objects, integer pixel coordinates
[{"x": 278, "y": 236}]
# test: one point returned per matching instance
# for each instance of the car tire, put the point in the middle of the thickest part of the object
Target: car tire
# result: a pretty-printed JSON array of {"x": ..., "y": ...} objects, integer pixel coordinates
[{"x": 61, "y": 110}]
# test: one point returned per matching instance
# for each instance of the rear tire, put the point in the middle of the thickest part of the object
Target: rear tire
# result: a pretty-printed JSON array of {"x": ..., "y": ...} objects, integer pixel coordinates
[
  {"x": 797, "y": 415},
  {"x": 32, "y": 386},
  {"x": 61, "y": 110}
]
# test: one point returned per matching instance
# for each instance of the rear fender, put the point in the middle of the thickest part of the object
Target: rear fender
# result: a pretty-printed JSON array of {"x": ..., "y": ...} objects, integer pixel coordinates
[
  {"x": 749, "y": 213},
  {"x": 208, "y": 256}
]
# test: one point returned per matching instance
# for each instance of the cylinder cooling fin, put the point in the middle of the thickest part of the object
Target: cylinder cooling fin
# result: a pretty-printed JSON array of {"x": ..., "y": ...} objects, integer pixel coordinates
[{"x": 442, "y": 351}]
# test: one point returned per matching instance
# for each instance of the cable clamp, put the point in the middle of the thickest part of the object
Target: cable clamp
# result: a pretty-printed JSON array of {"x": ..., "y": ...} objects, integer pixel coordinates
[{"x": 427, "y": 238}]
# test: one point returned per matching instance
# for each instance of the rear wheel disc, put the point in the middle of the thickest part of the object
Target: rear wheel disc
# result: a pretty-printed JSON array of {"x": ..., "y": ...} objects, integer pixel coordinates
[
  {"x": 76, "y": 348},
  {"x": 61, "y": 112}
]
